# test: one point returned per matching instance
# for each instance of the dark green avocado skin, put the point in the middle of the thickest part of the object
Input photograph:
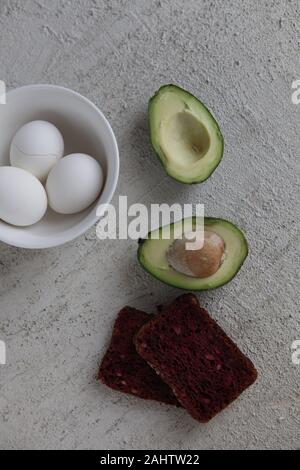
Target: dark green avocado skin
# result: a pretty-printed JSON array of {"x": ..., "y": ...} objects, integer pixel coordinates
[
  {"x": 172, "y": 86},
  {"x": 141, "y": 242}
]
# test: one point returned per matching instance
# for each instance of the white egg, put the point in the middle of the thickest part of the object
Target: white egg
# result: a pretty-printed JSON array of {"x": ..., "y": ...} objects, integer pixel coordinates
[
  {"x": 74, "y": 183},
  {"x": 37, "y": 147},
  {"x": 23, "y": 199}
]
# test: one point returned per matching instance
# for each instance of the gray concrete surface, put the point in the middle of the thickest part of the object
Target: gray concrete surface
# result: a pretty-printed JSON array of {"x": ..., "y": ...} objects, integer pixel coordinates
[{"x": 58, "y": 305}]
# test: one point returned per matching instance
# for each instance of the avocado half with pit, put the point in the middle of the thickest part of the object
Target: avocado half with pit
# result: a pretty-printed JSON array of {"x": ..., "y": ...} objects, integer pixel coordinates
[
  {"x": 184, "y": 134},
  {"x": 163, "y": 254}
]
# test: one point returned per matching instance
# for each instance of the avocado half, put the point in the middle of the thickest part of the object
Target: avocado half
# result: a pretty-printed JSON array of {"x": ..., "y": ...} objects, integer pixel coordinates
[
  {"x": 152, "y": 254},
  {"x": 184, "y": 134}
]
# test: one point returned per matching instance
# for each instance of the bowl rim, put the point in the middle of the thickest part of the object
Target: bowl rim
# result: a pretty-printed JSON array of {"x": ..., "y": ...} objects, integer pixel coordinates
[{"x": 108, "y": 191}]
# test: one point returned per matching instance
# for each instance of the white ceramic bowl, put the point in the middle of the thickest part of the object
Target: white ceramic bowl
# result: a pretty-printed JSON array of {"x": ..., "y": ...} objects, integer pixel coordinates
[{"x": 85, "y": 130}]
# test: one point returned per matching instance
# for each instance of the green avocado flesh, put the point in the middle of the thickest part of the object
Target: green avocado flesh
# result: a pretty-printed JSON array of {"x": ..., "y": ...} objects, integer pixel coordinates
[
  {"x": 184, "y": 134},
  {"x": 152, "y": 254}
]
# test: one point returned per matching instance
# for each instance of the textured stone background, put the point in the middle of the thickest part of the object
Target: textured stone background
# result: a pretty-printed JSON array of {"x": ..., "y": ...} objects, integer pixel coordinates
[{"x": 57, "y": 306}]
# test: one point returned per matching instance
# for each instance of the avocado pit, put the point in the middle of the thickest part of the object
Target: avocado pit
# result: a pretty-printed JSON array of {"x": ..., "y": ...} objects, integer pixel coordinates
[{"x": 200, "y": 263}]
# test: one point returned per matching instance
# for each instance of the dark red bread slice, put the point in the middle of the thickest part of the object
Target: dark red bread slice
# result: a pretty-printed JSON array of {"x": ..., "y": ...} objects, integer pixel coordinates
[
  {"x": 124, "y": 370},
  {"x": 194, "y": 356}
]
